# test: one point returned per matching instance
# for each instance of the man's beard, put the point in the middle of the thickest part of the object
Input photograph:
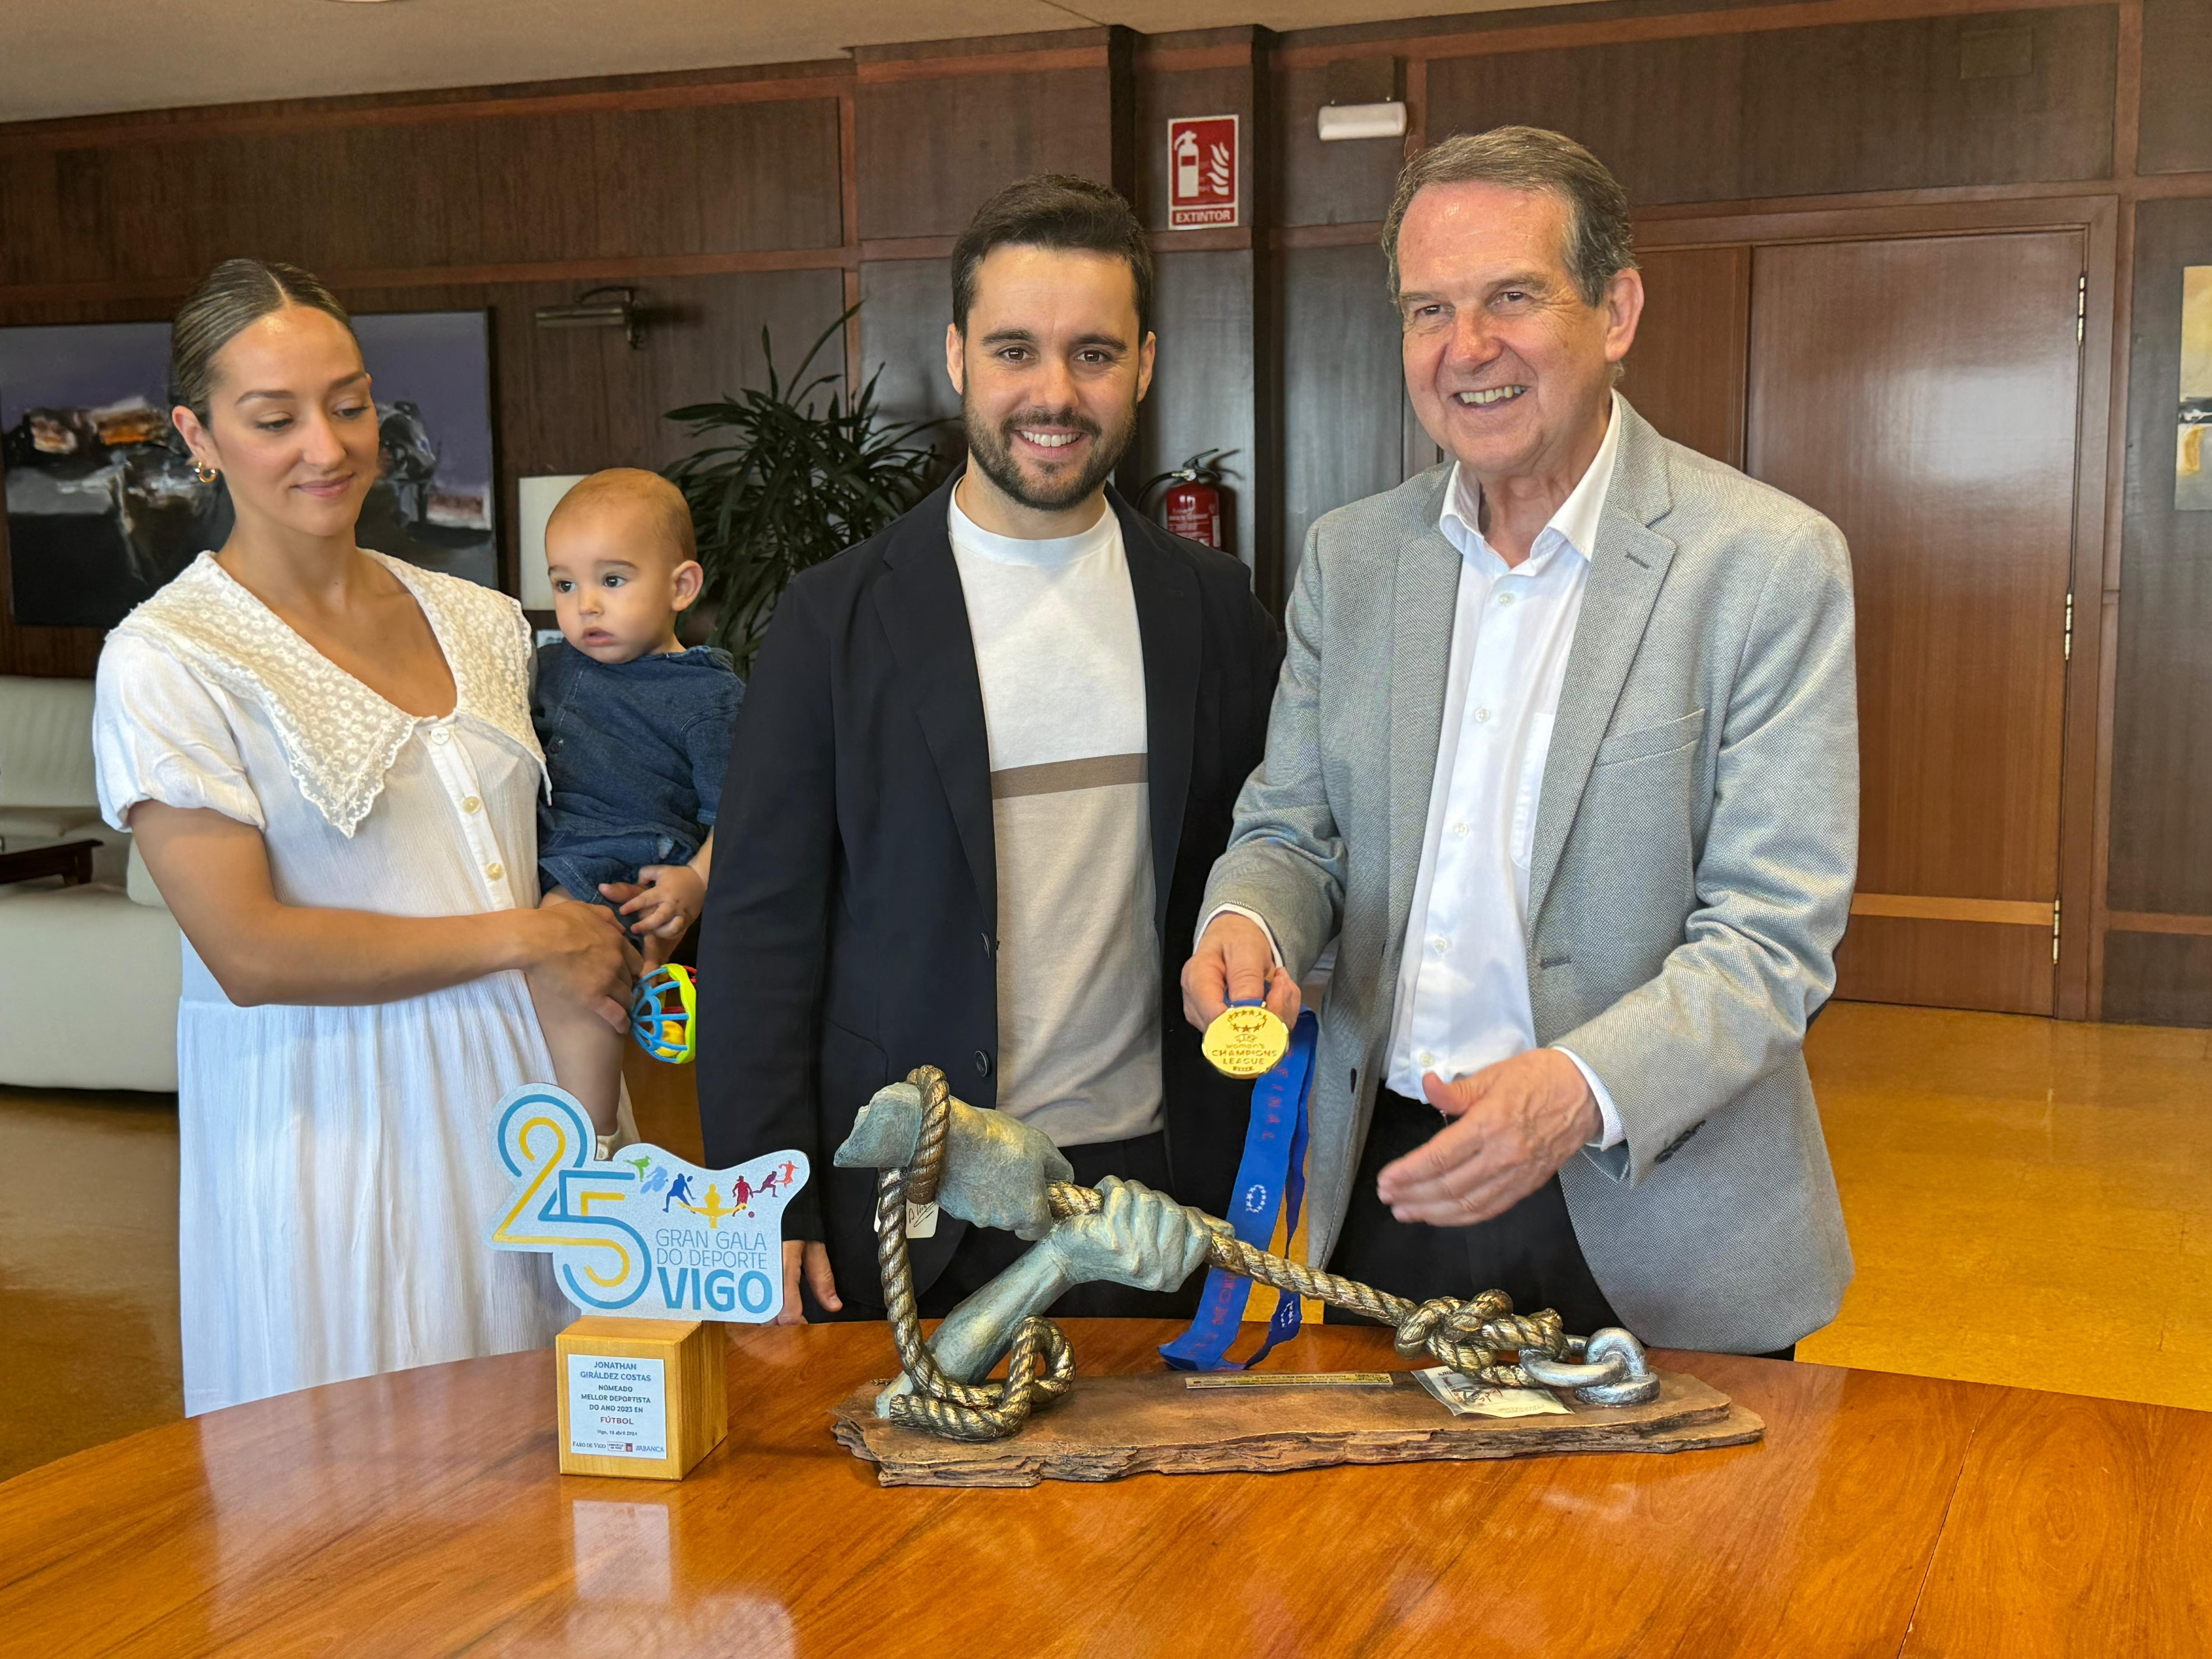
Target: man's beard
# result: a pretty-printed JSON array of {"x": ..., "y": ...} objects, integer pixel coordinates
[{"x": 993, "y": 450}]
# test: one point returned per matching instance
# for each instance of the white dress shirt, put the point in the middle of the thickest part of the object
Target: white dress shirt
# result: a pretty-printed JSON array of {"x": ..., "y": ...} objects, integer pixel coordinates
[
  {"x": 1462, "y": 998},
  {"x": 1463, "y": 982}
]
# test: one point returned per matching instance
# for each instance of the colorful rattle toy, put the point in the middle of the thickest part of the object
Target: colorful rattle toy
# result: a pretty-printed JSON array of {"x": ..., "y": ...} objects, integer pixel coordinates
[{"x": 664, "y": 1015}]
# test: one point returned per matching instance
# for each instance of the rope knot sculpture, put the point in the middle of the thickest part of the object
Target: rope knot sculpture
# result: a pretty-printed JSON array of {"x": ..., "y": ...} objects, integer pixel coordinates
[{"x": 1482, "y": 1338}]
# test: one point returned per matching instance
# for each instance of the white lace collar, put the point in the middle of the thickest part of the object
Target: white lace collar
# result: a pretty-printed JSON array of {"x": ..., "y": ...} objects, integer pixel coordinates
[{"x": 339, "y": 736}]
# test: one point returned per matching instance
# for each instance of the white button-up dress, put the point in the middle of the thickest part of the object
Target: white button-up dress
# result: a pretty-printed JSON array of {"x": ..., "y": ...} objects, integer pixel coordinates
[{"x": 338, "y": 1168}]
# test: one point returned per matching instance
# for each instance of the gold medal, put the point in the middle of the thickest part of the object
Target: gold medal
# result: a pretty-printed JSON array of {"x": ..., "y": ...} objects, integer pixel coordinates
[{"x": 1247, "y": 1040}]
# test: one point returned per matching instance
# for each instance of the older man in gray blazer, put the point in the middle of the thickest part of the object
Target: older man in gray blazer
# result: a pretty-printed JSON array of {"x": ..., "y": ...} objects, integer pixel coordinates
[{"x": 1565, "y": 757}]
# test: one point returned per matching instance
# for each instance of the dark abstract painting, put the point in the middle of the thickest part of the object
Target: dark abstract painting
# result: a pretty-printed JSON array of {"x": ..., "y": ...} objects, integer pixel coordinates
[{"x": 102, "y": 504}]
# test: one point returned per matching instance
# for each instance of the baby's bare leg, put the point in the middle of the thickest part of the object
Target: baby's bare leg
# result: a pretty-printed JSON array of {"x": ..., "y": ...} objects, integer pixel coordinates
[{"x": 588, "y": 1054}]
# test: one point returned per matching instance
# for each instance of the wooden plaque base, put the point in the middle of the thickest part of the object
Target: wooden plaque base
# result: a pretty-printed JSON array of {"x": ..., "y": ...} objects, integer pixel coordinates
[
  {"x": 693, "y": 1384},
  {"x": 1112, "y": 1426}
]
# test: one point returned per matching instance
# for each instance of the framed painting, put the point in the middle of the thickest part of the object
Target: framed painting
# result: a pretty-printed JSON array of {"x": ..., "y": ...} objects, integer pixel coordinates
[{"x": 102, "y": 505}]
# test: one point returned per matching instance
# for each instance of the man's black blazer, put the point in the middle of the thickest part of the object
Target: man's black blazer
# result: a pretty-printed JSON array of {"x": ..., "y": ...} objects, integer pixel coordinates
[{"x": 851, "y": 914}]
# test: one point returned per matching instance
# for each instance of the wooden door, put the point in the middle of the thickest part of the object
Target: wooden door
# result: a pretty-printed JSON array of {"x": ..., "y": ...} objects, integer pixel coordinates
[{"x": 1923, "y": 393}]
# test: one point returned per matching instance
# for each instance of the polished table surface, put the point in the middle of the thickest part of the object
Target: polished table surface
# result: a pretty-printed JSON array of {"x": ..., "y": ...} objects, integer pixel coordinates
[{"x": 420, "y": 1513}]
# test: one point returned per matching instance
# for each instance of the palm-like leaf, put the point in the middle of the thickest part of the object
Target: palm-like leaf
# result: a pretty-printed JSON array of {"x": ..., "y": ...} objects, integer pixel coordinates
[{"x": 801, "y": 475}]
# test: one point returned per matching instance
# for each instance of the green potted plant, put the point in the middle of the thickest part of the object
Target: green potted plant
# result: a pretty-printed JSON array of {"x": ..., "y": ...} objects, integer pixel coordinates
[{"x": 799, "y": 474}]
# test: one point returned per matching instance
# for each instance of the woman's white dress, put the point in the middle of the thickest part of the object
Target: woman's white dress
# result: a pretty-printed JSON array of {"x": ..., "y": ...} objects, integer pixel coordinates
[{"x": 339, "y": 1166}]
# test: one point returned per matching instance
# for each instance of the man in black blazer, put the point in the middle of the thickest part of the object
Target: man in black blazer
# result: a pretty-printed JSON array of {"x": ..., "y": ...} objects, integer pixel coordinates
[{"x": 986, "y": 761}]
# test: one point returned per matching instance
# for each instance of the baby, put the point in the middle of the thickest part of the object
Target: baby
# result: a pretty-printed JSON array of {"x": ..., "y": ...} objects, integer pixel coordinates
[{"x": 636, "y": 733}]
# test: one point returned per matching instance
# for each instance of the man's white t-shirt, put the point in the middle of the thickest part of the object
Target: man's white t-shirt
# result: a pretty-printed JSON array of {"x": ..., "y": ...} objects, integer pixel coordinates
[{"x": 1062, "y": 668}]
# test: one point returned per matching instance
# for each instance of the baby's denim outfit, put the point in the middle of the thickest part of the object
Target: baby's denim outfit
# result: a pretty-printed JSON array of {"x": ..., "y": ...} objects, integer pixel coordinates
[{"x": 637, "y": 752}]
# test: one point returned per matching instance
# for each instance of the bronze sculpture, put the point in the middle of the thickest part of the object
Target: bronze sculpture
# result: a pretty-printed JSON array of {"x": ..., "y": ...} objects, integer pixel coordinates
[{"x": 996, "y": 1171}]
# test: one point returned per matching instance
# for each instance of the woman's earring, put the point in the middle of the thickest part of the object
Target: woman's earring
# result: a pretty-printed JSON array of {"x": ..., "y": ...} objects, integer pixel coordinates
[{"x": 204, "y": 472}]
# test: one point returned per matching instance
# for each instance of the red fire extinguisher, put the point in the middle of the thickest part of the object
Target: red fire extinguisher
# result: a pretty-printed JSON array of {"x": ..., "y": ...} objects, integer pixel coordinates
[{"x": 1194, "y": 505}]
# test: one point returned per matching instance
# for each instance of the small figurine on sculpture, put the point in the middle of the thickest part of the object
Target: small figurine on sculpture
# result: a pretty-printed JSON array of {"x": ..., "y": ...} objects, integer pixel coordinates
[{"x": 995, "y": 1171}]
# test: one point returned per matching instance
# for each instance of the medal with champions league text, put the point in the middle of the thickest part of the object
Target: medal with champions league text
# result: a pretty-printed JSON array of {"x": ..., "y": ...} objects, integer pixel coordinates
[{"x": 1248, "y": 1039}]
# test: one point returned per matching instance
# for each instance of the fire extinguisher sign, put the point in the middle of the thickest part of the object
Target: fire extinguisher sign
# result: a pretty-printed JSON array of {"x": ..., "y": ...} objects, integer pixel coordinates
[{"x": 1202, "y": 172}]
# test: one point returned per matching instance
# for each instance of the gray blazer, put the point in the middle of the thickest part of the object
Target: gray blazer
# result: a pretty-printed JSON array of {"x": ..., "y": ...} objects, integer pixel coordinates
[{"x": 1695, "y": 846}]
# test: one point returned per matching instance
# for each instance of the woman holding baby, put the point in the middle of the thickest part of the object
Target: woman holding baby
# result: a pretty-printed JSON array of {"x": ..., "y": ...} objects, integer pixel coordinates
[{"x": 326, "y": 758}]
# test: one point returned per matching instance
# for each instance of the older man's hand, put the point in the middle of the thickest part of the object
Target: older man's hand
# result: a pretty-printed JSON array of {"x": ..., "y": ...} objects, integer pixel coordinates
[
  {"x": 1234, "y": 964},
  {"x": 1517, "y": 1122}
]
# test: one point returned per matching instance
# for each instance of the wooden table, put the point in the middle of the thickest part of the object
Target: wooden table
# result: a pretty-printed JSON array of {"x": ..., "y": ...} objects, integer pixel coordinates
[
  {"x": 69, "y": 859},
  {"x": 420, "y": 1513}
]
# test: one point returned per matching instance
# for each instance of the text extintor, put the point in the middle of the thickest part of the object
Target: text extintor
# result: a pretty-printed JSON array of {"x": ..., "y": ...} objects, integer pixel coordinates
[{"x": 1202, "y": 172}]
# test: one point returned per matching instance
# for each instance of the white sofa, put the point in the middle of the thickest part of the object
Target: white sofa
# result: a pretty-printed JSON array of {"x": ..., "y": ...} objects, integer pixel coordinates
[{"x": 89, "y": 975}]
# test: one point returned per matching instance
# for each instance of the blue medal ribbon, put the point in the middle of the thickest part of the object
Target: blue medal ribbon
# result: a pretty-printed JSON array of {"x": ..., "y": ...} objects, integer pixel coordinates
[{"x": 1271, "y": 1179}]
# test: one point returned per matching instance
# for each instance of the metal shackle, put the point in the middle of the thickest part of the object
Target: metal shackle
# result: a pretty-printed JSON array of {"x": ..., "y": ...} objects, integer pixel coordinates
[{"x": 1614, "y": 1371}]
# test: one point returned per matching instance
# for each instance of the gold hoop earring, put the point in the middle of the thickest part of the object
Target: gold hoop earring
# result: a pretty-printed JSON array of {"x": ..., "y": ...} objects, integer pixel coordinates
[{"x": 204, "y": 472}]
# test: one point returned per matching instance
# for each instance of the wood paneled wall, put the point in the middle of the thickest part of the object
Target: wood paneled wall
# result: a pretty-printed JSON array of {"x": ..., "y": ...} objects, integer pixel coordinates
[
  {"x": 2175, "y": 132},
  {"x": 1219, "y": 385},
  {"x": 719, "y": 197},
  {"x": 733, "y": 199},
  {"x": 1804, "y": 112},
  {"x": 1737, "y": 123},
  {"x": 2158, "y": 957}
]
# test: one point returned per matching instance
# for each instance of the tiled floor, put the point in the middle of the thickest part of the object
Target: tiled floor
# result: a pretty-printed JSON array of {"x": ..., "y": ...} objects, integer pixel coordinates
[{"x": 2030, "y": 1203}]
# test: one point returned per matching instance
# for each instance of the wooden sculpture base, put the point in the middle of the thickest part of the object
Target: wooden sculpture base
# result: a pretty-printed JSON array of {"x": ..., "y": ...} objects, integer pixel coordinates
[
  {"x": 1112, "y": 1426},
  {"x": 641, "y": 1397}
]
